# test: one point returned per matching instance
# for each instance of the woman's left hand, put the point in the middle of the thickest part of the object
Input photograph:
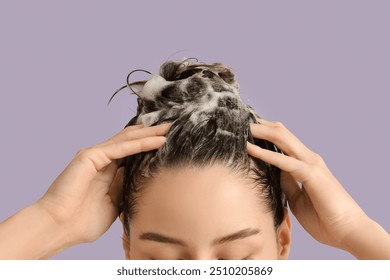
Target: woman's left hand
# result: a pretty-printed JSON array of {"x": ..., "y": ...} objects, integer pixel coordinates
[{"x": 316, "y": 197}]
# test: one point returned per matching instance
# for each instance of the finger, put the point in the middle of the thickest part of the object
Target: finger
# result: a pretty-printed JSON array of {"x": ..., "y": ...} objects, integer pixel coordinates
[
  {"x": 267, "y": 122},
  {"x": 132, "y": 133},
  {"x": 263, "y": 121},
  {"x": 127, "y": 148},
  {"x": 157, "y": 130},
  {"x": 128, "y": 128},
  {"x": 283, "y": 139},
  {"x": 289, "y": 164},
  {"x": 103, "y": 155},
  {"x": 317, "y": 182},
  {"x": 284, "y": 162},
  {"x": 135, "y": 126}
]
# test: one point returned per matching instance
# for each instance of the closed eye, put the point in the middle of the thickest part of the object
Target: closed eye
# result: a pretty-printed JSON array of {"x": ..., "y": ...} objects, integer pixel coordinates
[{"x": 246, "y": 258}]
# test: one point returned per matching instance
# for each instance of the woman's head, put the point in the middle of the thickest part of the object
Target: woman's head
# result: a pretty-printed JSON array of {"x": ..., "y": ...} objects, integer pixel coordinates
[{"x": 201, "y": 195}]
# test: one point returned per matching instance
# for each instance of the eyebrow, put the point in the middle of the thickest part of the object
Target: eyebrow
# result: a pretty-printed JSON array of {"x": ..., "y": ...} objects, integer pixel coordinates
[
  {"x": 237, "y": 235},
  {"x": 153, "y": 236}
]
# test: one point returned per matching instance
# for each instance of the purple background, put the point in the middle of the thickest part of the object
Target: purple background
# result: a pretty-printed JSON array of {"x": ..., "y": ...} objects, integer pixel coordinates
[{"x": 321, "y": 68}]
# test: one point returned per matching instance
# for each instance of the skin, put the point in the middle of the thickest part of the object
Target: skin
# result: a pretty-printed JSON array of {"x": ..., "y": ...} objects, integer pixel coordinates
[
  {"x": 81, "y": 203},
  {"x": 204, "y": 213},
  {"x": 322, "y": 206}
]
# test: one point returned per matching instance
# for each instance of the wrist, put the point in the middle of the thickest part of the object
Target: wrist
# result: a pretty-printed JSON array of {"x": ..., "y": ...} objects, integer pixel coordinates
[
  {"x": 31, "y": 234},
  {"x": 368, "y": 240},
  {"x": 55, "y": 236}
]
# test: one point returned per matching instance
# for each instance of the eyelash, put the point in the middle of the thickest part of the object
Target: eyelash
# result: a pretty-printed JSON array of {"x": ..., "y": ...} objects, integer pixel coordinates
[
  {"x": 246, "y": 258},
  {"x": 220, "y": 259}
]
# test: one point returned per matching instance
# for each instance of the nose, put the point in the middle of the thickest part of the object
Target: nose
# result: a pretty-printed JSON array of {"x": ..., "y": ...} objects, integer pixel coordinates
[{"x": 202, "y": 256}]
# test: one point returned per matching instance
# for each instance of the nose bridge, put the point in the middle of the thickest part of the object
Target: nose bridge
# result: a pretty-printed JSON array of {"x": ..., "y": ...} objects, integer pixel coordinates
[
  {"x": 202, "y": 257},
  {"x": 202, "y": 254}
]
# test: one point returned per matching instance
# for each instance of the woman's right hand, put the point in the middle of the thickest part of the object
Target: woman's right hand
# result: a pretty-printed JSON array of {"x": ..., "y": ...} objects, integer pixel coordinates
[
  {"x": 84, "y": 198},
  {"x": 82, "y": 203}
]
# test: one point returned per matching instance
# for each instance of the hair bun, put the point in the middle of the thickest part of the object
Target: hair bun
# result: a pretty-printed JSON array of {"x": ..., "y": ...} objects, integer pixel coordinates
[{"x": 185, "y": 86}]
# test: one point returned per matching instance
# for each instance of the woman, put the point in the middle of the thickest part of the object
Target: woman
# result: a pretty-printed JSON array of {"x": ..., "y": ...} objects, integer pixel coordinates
[{"x": 201, "y": 180}]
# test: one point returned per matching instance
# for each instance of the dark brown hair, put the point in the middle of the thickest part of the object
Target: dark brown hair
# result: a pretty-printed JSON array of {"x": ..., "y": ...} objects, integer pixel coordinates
[{"x": 210, "y": 124}]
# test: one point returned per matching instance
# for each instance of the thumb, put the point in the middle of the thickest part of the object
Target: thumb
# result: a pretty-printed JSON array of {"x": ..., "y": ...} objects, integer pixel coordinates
[
  {"x": 115, "y": 191},
  {"x": 291, "y": 189}
]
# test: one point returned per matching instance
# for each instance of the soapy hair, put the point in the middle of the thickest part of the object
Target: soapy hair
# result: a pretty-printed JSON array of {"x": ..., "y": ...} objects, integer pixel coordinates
[{"x": 210, "y": 125}]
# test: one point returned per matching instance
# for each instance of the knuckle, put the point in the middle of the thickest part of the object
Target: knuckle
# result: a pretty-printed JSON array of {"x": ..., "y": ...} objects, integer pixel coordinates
[
  {"x": 279, "y": 125},
  {"x": 279, "y": 133},
  {"x": 83, "y": 153},
  {"x": 93, "y": 155},
  {"x": 317, "y": 159},
  {"x": 129, "y": 134}
]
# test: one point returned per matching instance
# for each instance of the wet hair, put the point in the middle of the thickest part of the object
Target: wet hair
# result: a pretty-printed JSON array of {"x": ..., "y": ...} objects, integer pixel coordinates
[{"x": 210, "y": 124}]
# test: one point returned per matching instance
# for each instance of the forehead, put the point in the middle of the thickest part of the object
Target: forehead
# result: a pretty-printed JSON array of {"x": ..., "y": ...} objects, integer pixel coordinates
[{"x": 206, "y": 202}]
